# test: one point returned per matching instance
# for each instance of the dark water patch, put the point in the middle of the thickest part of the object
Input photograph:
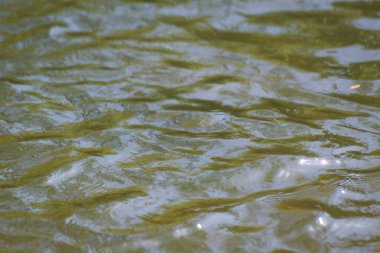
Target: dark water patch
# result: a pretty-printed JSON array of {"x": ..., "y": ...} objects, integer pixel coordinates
[
  {"x": 111, "y": 195},
  {"x": 370, "y": 9},
  {"x": 318, "y": 30},
  {"x": 245, "y": 229},
  {"x": 162, "y": 169},
  {"x": 177, "y": 132},
  {"x": 129, "y": 34},
  {"x": 318, "y": 206},
  {"x": 32, "y": 33},
  {"x": 6, "y": 166},
  {"x": 78, "y": 67},
  {"x": 35, "y": 10},
  {"x": 296, "y": 150},
  {"x": 163, "y": 3},
  {"x": 70, "y": 130},
  {"x": 223, "y": 163},
  {"x": 330, "y": 140},
  {"x": 375, "y": 169},
  {"x": 39, "y": 171},
  {"x": 181, "y": 212},
  {"x": 96, "y": 151},
  {"x": 144, "y": 160},
  {"x": 367, "y": 100},
  {"x": 184, "y": 64},
  {"x": 221, "y": 79},
  {"x": 309, "y": 112}
]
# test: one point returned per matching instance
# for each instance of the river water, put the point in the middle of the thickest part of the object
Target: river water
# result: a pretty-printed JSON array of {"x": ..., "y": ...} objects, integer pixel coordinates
[{"x": 190, "y": 126}]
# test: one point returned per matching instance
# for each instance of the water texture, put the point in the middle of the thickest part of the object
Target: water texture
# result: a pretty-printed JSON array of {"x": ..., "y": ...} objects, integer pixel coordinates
[{"x": 189, "y": 126}]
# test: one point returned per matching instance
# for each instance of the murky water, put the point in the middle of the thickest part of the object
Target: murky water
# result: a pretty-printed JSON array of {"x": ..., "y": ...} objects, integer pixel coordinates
[{"x": 193, "y": 126}]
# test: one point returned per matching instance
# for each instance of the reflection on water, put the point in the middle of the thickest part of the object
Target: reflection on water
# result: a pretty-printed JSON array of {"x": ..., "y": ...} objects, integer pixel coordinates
[{"x": 194, "y": 126}]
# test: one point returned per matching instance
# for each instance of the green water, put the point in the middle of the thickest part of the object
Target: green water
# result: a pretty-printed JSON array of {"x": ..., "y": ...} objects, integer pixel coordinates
[{"x": 189, "y": 126}]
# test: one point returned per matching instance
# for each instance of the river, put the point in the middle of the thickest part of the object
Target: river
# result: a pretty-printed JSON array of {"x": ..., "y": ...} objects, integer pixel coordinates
[{"x": 189, "y": 126}]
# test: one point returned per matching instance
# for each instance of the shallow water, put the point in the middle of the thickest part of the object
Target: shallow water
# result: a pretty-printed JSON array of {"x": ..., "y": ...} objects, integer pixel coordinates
[{"x": 193, "y": 126}]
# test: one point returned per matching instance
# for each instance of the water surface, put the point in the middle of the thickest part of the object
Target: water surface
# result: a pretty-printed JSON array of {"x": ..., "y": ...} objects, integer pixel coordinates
[{"x": 190, "y": 126}]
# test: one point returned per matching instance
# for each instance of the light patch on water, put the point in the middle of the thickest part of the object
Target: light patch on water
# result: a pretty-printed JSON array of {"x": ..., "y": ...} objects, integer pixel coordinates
[
  {"x": 130, "y": 210},
  {"x": 350, "y": 54},
  {"x": 247, "y": 179},
  {"x": 214, "y": 221},
  {"x": 231, "y": 21},
  {"x": 84, "y": 222},
  {"x": 57, "y": 32},
  {"x": 181, "y": 232},
  {"x": 60, "y": 237},
  {"x": 211, "y": 222},
  {"x": 262, "y": 7},
  {"x": 304, "y": 168},
  {"x": 186, "y": 231},
  {"x": 60, "y": 177},
  {"x": 367, "y": 23},
  {"x": 148, "y": 244},
  {"x": 344, "y": 229},
  {"x": 322, "y": 221},
  {"x": 214, "y": 120},
  {"x": 318, "y": 161}
]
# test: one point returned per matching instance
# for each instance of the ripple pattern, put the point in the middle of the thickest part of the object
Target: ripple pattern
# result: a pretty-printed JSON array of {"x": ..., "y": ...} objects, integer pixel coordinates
[{"x": 194, "y": 126}]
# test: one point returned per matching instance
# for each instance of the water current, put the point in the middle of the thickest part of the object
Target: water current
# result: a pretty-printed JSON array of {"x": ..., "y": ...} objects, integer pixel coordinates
[{"x": 189, "y": 126}]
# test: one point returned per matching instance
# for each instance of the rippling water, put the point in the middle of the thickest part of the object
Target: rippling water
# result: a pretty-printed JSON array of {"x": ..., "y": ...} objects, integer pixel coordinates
[{"x": 193, "y": 126}]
